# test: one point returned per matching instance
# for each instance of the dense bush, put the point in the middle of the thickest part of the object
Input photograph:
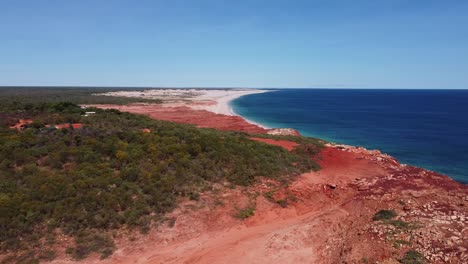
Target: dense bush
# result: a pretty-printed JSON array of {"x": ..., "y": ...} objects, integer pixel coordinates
[
  {"x": 88, "y": 242},
  {"x": 110, "y": 174}
]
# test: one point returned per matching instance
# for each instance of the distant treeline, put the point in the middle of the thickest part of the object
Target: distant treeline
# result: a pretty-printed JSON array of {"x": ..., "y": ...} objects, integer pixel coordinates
[
  {"x": 13, "y": 98},
  {"x": 111, "y": 174}
]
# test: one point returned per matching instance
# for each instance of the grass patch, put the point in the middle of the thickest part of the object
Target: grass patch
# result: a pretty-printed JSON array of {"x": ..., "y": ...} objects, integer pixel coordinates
[
  {"x": 412, "y": 257},
  {"x": 246, "y": 212},
  {"x": 384, "y": 215}
]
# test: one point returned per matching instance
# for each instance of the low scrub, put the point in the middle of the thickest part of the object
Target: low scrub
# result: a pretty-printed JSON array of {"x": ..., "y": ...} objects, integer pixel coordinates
[
  {"x": 109, "y": 175},
  {"x": 89, "y": 242},
  {"x": 384, "y": 215},
  {"x": 246, "y": 212},
  {"x": 412, "y": 257}
]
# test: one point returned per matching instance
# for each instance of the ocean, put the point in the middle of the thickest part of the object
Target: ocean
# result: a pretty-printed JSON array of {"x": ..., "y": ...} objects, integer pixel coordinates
[{"x": 424, "y": 128}]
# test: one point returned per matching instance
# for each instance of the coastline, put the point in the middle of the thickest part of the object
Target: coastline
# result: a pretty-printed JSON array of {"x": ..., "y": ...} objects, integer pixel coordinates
[
  {"x": 243, "y": 117},
  {"x": 213, "y": 100},
  {"x": 337, "y": 204},
  {"x": 217, "y": 103},
  {"x": 223, "y": 101}
]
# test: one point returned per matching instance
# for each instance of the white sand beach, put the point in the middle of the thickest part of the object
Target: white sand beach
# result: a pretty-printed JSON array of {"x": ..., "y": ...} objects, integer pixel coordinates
[{"x": 213, "y": 100}]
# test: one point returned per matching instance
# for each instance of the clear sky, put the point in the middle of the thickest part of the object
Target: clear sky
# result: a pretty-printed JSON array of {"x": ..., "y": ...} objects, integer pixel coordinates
[{"x": 238, "y": 43}]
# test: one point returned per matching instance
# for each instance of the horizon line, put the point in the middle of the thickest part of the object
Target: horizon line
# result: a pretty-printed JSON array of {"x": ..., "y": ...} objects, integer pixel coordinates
[{"x": 219, "y": 87}]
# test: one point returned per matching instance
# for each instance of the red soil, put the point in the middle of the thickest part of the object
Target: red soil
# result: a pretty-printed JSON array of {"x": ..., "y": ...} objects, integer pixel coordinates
[
  {"x": 74, "y": 126},
  {"x": 21, "y": 123},
  {"x": 320, "y": 217},
  {"x": 183, "y": 114}
]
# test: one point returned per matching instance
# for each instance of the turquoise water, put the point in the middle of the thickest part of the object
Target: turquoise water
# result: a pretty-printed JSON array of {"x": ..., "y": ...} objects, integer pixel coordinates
[{"x": 425, "y": 128}]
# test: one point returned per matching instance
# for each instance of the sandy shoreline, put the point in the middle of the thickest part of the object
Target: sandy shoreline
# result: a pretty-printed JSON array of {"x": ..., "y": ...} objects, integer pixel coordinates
[
  {"x": 213, "y": 100},
  {"x": 217, "y": 101},
  {"x": 223, "y": 99}
]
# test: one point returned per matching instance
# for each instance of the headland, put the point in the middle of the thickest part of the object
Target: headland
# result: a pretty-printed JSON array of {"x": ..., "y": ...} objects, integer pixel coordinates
[{"x": 361, "y": 207}]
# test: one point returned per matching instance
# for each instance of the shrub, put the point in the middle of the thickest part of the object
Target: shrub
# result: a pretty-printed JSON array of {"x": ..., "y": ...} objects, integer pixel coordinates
[
  {"x": 412, "y": 257},
  {"x": 47, "y": 255},
  {"x": 87, "y": 242},
  {"x": 282, "y": 202},
  {"x": 246, "y": 212},
  {"x": 269, "y": 195},
  {"x": 194, "y": 196},
  {"x": 398, "y": 223},
  {"x": 384, "y": 215}
]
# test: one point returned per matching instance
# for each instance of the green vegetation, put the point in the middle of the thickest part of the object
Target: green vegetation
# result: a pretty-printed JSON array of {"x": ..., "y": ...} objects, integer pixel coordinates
[
  {"x": 282, "y": 202},
  {"x": 246, "y": 212},
  {"x": 401, "y": 226},
  {"x": 398, "y": 223},
  {"x": 86, "y": 182},
  {"x": 15, "y": 98},
  {"x": 412, "y": 257},
  {"x": 384, "y": 215},
  {"x": 270, "y": 197},
  {"x": 307, "y": 149},
  {"x": 88, "y": 242}
]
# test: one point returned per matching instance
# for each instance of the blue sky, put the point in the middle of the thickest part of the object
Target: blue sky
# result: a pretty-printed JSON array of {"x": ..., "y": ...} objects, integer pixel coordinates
[{"x": 216, "y": 43}]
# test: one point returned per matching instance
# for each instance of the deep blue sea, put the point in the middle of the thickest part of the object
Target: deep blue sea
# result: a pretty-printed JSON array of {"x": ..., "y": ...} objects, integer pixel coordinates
[{"x": 425, "y": 128}]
